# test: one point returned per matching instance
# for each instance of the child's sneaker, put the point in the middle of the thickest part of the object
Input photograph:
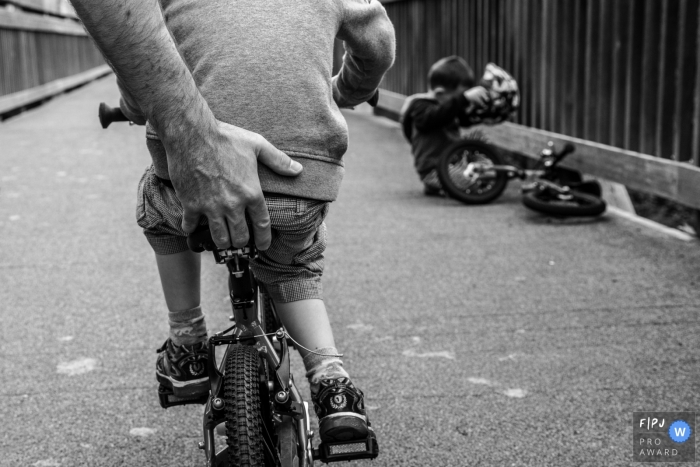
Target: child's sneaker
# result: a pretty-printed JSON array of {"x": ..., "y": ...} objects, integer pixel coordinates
[
  {"x": 430, "y": 191},
  {"x": 340, "y": 408},
  {"x": 183, "y": 369}
]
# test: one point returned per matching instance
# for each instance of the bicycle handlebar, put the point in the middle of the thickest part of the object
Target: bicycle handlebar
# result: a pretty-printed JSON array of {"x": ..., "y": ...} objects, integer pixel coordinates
[
  {"x": 568, "y": 149},
  {"x": 110, "y": 114}
]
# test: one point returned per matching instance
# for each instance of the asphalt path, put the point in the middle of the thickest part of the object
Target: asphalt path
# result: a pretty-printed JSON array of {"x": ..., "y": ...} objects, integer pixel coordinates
[{"x": 485, "y": 336}]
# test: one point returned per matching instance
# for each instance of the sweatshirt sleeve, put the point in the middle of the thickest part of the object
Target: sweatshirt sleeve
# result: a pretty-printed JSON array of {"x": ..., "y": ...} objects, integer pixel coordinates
[
  {"x": 429, "y": 116},
  {"x": 368, "y": 38}
]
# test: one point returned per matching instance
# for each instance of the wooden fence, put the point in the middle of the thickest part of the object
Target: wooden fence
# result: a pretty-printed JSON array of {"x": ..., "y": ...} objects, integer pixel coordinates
[
  {"x": 620, "y": 78},
  {"x": 43, "y": 50},
  {"x": 618, "y": 72}
]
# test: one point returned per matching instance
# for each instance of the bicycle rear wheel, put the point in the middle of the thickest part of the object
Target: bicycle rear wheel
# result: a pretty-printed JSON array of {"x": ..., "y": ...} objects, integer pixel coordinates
[
  {"x": 247, "y": 429},
  {"x": 463, "y": 170},
  {"x": 573, "y": 204}
]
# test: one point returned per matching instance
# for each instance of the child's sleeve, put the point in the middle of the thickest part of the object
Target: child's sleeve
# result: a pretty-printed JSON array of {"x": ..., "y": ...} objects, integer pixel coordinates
[
  {"x": 368, "y": 37},
  {"x": 469, "y": 115},
  {"x": 429, "y": 116}
]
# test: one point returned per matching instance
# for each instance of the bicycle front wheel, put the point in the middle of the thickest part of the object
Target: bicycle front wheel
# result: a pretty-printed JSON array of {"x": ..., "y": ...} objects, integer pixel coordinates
[
  {"x": 245, "y": 424},
  {"x": 573, "y": 204},
  {"x": 466, "y": 174}
]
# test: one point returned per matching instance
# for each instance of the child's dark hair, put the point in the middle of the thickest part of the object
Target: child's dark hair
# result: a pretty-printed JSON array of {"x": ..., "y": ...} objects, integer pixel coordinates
[{"x": 450, "y": 72}]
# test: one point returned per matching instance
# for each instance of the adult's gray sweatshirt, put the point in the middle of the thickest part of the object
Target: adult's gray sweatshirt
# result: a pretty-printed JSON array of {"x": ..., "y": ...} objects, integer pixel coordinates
[{"x": 266, "y": 66}]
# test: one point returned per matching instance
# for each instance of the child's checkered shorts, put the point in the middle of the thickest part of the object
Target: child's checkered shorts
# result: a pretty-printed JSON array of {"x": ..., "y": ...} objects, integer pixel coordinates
[{"x": 291, "y": 268}]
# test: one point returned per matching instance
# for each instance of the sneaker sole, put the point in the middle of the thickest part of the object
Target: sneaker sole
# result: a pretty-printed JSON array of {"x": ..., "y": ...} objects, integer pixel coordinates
[
  {"x": 344, "y": 426},
  {"x": 184, "y": 389}
]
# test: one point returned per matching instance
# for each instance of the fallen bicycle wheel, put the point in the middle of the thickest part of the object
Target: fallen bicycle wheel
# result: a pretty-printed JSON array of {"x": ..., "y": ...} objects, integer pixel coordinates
[
  {"x": 249, "y": 439},
  {"x": 466, "y": 172},
  {"x": 573, "y": 203}
]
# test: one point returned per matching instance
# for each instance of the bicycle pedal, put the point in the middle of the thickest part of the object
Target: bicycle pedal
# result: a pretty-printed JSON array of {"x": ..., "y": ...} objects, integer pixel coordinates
[
  {"x": 337, "y": 451},
  {"x": 168, "y": 399}
]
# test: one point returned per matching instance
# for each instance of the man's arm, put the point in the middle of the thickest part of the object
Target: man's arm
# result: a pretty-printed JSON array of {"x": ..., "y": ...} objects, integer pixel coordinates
[{"x": 212, "y": 165}]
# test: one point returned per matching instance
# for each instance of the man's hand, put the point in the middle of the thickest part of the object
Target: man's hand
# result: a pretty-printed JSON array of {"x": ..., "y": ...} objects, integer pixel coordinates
[{"x": 220, "y": 181}]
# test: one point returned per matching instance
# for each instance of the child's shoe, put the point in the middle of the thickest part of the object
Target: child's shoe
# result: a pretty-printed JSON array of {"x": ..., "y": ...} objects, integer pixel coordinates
[
  {"x": 183, "y": 369},
  {"x": 340, "y": 408},
  {"x": 430, "y": 191}
]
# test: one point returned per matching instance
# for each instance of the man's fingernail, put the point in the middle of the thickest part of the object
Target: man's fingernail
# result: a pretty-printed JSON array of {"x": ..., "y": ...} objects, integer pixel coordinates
[{"x": 295, "y": 166}]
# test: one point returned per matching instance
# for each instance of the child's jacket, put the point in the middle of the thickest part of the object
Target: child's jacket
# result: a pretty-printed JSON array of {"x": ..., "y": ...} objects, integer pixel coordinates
[
  {"x": 266, "y": 66},
  {"x": 431, "y": 127}
]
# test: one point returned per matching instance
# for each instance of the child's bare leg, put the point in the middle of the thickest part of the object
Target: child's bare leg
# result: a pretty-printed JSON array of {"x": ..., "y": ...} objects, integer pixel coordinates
[
  {"x": 339, "y": 404},
  {"x": 180, "y": 278},
  {"x": 307, "y": 322}
]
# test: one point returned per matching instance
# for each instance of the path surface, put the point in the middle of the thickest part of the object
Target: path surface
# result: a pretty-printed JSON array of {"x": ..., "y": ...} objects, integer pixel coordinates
[{"x": 481, "y": 335}]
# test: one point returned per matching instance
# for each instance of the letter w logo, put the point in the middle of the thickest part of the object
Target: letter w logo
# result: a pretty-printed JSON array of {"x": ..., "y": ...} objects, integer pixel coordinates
[{"x": 679, "y": 431}]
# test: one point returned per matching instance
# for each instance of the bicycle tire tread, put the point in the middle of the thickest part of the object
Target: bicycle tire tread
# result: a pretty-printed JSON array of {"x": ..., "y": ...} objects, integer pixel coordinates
[{"x": 243, "y": 415}]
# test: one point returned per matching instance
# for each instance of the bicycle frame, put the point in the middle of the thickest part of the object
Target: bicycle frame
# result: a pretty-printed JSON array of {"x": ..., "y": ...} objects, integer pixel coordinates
[{"x": 546, "y": 163}]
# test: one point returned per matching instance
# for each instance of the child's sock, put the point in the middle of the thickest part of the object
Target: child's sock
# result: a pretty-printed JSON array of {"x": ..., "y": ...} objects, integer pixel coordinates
[
  {"x": 187, "y": 327},
  {"x": 324, "y": 364}
]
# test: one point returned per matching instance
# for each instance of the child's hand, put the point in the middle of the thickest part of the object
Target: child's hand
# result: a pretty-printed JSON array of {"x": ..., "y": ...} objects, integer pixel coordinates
[{"x": 477, "y": 96}]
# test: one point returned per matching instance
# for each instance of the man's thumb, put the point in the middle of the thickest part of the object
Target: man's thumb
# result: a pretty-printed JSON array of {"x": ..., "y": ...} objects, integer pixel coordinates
[{"x": 278, "y": 161}]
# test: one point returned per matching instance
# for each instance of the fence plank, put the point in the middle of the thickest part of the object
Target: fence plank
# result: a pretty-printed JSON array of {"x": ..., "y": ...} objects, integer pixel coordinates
[
  {"x": 650, "y": 73},
  {"x": 20, "y": 99},
  {"x": 30, "y": 22},
  {"x": 683, "y": 132},
  {"x": 695, "y": 148},
  {"x": 678, "y": 78},
  {"x": 589, "y": 89},
  {"x": 60, "y": 8},
  {"x": 604, "y": 78},
  {"x": 617, "y": 102},
  {"x": 663, "y": 90}
]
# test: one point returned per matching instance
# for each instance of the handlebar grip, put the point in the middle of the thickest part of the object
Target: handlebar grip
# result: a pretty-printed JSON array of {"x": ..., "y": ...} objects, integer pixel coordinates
[{"x": 109, "y": 114}]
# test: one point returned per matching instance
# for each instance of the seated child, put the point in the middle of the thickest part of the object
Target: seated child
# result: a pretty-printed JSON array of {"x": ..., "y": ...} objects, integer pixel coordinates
[
  {"x": 266, "y": 67},
  {"x": 431, "y": 121}
]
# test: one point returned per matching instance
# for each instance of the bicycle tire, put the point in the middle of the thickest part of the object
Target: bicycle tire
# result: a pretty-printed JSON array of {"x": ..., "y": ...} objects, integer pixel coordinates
[
  {"x": 288, "y": 443},
  {"x": 589, "y": 187},
  {"x": 580, "y": 204},
  {"x": 452, "y": 164},
  {"x": 244, "y": 419}
]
